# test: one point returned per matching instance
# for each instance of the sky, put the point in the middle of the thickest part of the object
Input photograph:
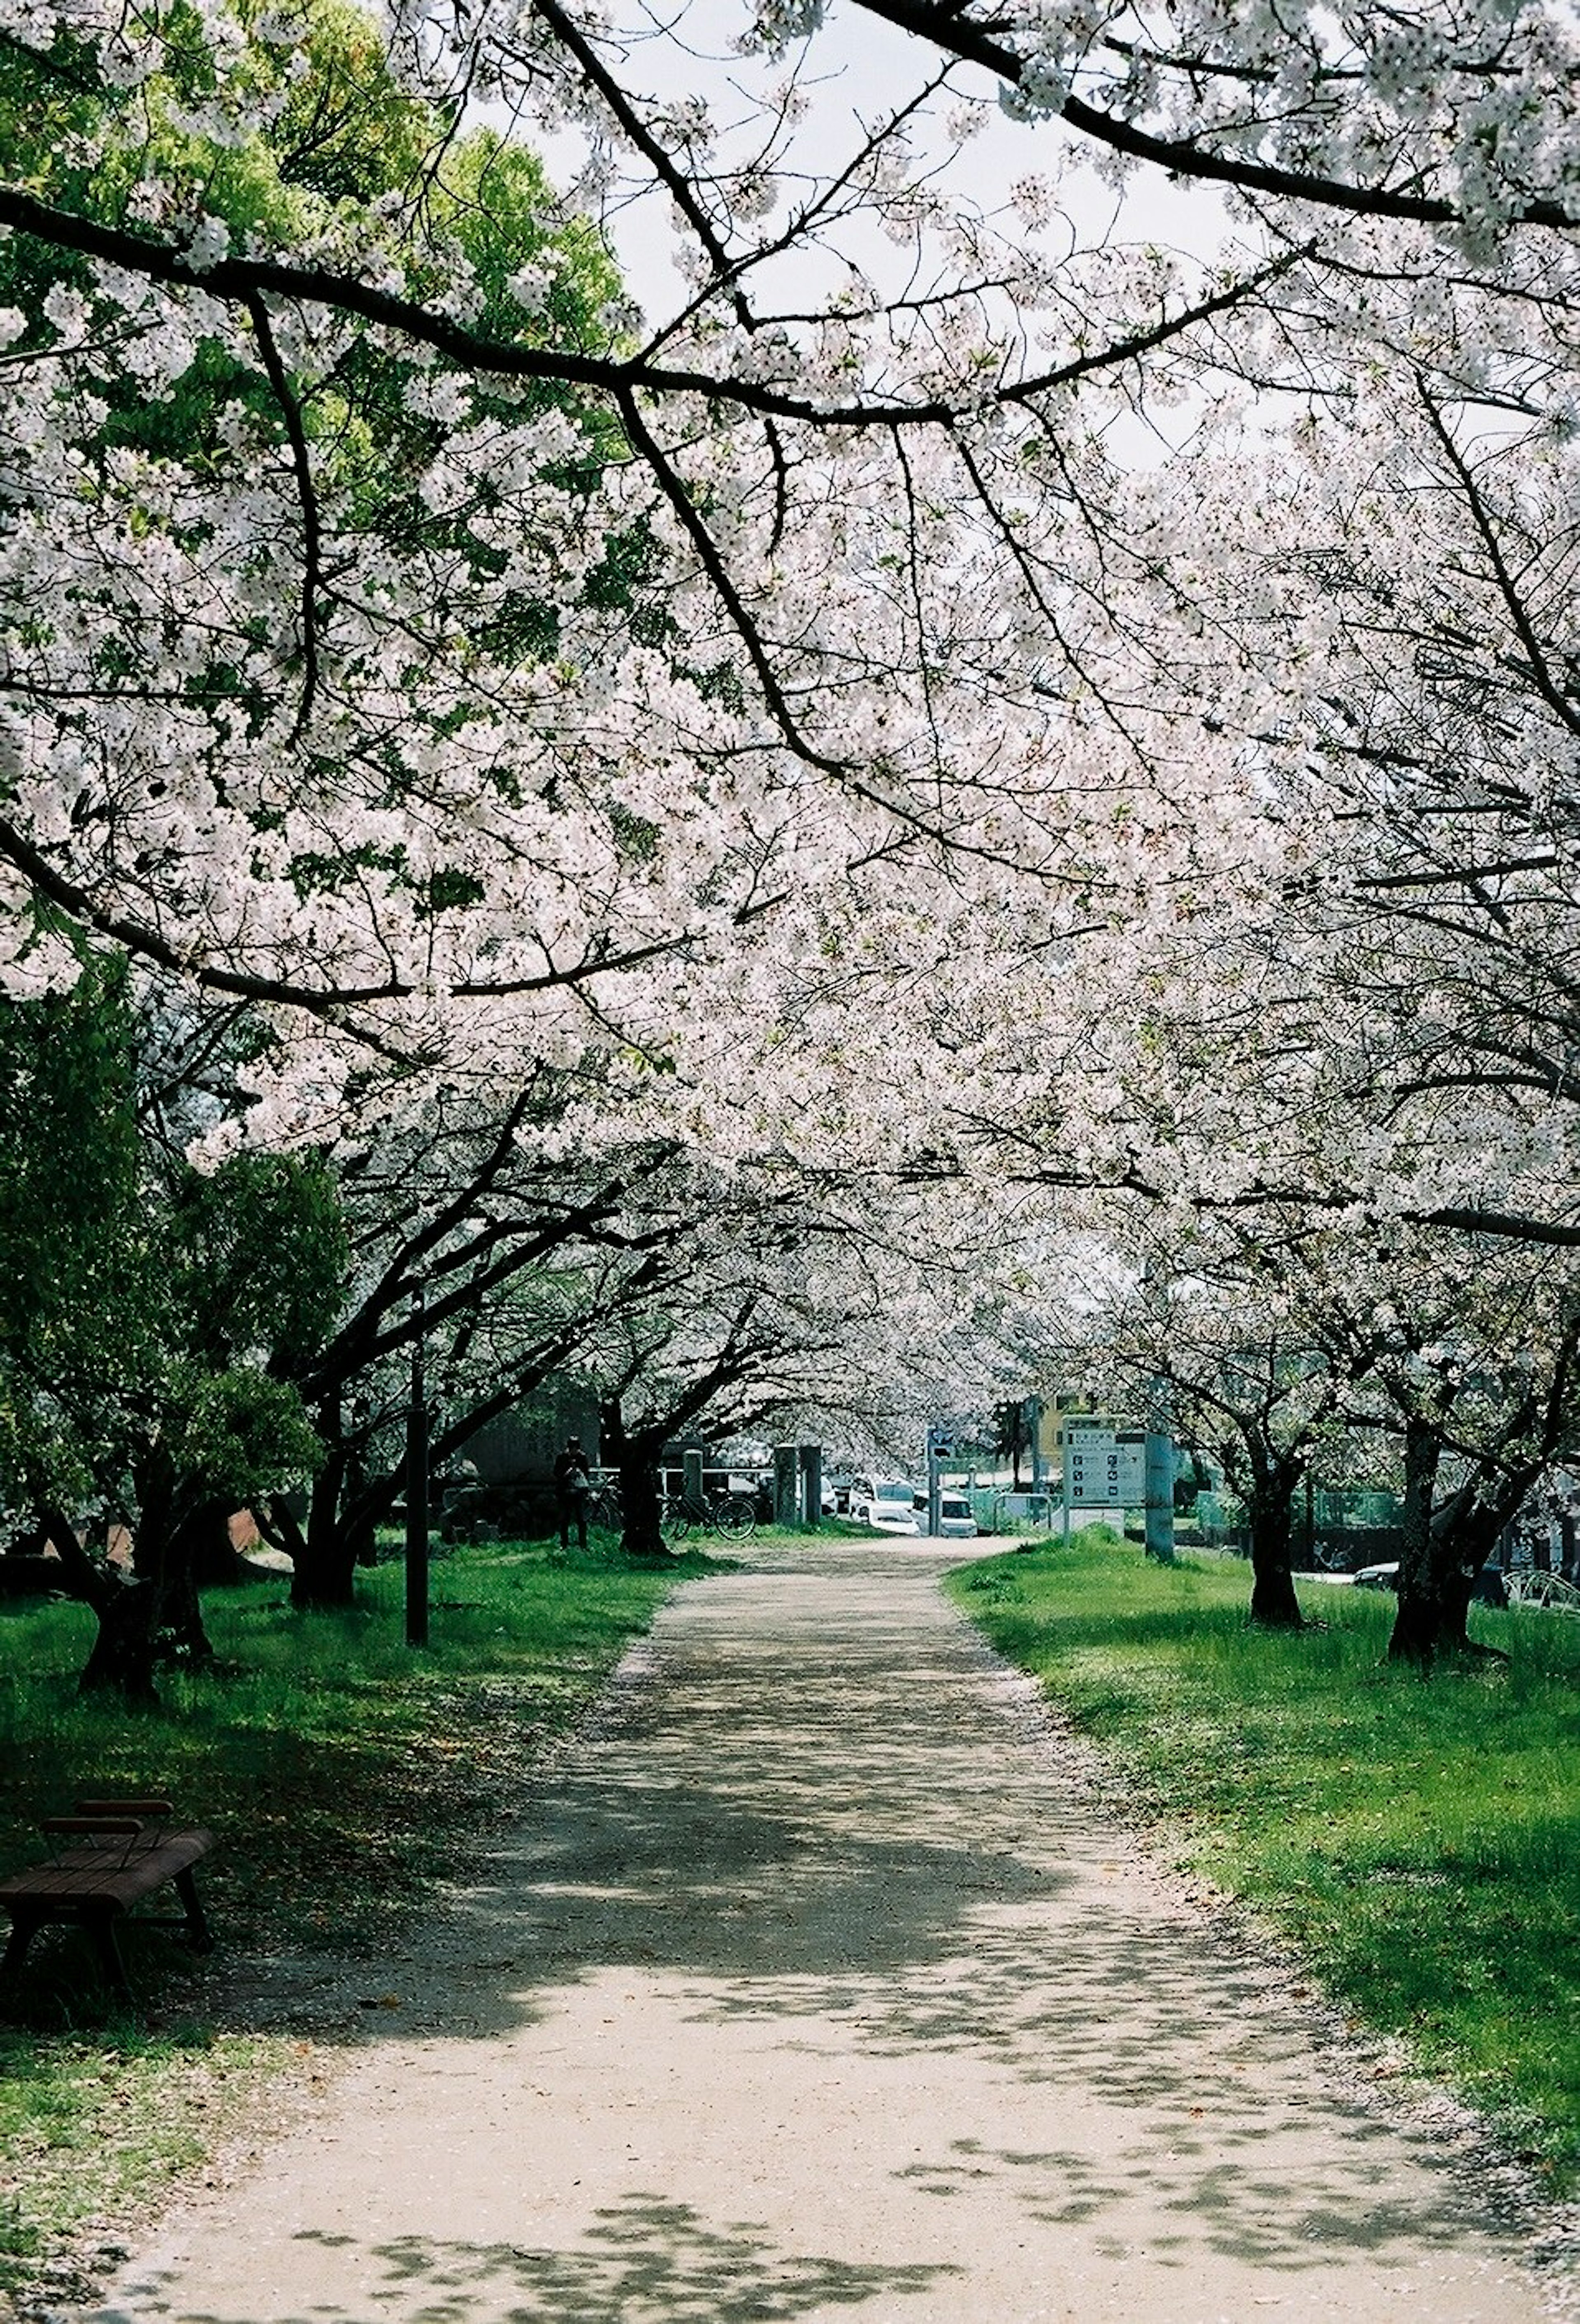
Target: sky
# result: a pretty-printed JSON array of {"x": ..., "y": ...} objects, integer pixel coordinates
[{"x": 855, "y": 69}]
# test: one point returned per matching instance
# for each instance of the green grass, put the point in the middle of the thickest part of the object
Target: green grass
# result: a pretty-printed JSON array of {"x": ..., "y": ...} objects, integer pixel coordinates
[
  {"x": 1419, "y": 1839},
  {"x": 342, "y": 1773}
]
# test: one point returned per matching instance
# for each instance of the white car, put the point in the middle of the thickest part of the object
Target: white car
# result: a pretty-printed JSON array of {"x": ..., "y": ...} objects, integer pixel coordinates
[
  {"x": 955, "y": 1518},
  {"x": 886, "y": 1504}
]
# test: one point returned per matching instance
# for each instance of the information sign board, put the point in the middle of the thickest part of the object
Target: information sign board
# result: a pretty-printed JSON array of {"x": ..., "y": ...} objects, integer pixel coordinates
[{"x": 1105, "y": 1468}]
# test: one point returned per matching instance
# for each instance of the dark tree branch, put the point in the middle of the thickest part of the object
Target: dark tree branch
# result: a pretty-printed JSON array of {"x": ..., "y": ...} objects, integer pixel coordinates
[
  {"x": 1185, "y": 157},
  {"x": 311, "y": 573},
  {"x": 327, "y": 1002}
]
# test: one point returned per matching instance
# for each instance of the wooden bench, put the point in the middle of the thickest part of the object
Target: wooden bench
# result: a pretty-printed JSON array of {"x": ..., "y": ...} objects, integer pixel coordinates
[{"x": 109, "y": 1856}]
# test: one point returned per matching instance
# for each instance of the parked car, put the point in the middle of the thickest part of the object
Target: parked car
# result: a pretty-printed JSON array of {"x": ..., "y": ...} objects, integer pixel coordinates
[
  {"x": 954, "y": 1517},
  {"x": 1491, "y": 1588},
  {"x": 886, "y": 1504}
]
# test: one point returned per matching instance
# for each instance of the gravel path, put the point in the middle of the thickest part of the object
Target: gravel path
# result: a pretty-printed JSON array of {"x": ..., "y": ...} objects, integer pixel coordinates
[{"x": 820, "y": 1983}]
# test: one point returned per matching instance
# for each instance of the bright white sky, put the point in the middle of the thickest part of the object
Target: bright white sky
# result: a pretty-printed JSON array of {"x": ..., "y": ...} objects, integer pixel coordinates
[{"x": 856, "y": 69}]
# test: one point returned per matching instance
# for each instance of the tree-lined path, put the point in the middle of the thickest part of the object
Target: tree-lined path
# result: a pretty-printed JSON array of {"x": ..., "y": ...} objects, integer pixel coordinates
[{"x": 818, "y": 1984}]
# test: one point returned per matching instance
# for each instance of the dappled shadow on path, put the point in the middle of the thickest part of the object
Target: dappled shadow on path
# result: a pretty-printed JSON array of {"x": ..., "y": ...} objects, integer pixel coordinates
[
  {"x": 819, "y": 1825},
  {"x": 837, "y": 1827},
  {"x": 643, "y": 2256}
]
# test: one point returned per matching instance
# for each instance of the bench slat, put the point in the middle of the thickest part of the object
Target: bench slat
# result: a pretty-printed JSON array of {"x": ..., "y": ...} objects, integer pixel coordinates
[
  {"x": 92, "y": 1887},
  {"x": 108, "y": 1876},
  {"x": 125, "y": 1807}
]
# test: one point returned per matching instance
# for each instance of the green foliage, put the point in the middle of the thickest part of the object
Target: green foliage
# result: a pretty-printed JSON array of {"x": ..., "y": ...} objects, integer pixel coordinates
[
  {"x": 141, "y": 1301},
  {"x": 350, "y": 155},
  {"x": 232, "y": 1435},
  {"x": 492, "y": 198},
  {"x": 75, "y": 1273},
  {"x": 346, "y": 137},
  {"x": 256, "y": 1255},
  {"x": 1420, "y": 1842},
  {"x": 345, "y": 131}
]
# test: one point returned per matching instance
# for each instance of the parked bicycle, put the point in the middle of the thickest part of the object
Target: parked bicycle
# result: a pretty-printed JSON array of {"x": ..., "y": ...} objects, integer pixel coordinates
[
  {"x": 605, "y": 1515},
  {"x": 733, "y": 1514}
]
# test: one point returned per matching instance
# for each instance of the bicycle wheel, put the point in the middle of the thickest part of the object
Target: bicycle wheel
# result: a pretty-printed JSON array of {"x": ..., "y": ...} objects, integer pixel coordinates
[
  {"x": 605, "y": 1516},
  {"x": 735, "y": 1516},
  {"x": 675, "y": 1524}
]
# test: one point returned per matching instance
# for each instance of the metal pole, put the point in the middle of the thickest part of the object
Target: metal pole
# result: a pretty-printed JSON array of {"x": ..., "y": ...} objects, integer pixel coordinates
[
  {"x": 1160, "y": 1444},
  {"x": 417, "y": 1485},
  {"x": 933, "y": 1518},
  {"x": 1160, "y": 1474}
]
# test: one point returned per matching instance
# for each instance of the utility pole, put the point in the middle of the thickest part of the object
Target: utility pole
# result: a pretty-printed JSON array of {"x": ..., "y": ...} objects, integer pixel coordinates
[
  {"x": 1159, "y": 1472},
  {"x": 1160, "y": 1445},
  {"x": 417, "y": 1483}
]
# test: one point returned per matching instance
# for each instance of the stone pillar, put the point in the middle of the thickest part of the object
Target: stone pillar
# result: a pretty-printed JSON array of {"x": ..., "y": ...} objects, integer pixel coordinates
[
  {"x": 812, "y": 1485},
  {"x": 785, "y": 1483}
]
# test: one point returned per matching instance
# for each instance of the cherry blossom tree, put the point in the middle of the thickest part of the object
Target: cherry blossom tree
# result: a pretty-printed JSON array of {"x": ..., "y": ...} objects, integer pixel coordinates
[
  {"x": 798, "y": 569},
  {"x": 799, "y": 684}
]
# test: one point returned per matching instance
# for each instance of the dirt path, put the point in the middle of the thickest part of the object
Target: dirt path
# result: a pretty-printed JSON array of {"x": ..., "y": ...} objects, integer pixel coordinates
[{"x": 817, "y": 1986}]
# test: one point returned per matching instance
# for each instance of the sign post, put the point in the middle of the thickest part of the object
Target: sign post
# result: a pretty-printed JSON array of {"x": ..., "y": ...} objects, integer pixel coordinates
[
  {"x": 1104, "y": 1468},
  {"x": 812, "y": 1485},
  {"x": 1159, "y": 1477},
  {"x": 416, "y": 1484},
  {"x": 938, "y": 1448}
]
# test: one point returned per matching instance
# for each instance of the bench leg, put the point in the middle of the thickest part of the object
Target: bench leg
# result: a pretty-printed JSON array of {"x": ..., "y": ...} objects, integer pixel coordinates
[
  {"x": 198, "y": 1929},
  {"x": 101, "y": 1928},
  {"x": 24, "y": 1928}
]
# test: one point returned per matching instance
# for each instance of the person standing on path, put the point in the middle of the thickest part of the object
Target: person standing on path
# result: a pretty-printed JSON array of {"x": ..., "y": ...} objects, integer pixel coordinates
[{"x": 573, "y": 1483}]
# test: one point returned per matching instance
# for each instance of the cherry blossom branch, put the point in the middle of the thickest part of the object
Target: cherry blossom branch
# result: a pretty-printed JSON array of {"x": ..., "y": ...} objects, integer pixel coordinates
[
  {"x": 1552, "y": 694},
  {"x": 326, "y": 1002},
  {"x": 1459, "y": 874},
  {"x": 243, "y": 279},
  {"x": 1185, "y": 157},
  {"x": 291, "y": 412}
]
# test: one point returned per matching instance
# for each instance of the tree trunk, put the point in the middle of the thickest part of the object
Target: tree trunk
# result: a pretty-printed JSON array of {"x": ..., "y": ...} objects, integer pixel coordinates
[
  {"x": 324, "y": 1566},
  {"x": 120, "y": 1659},
  {"x": 1418, "y": 1623},
  {"x": 154, "y": 1616},
  {"x": 207, "y": 1545},
  {"x": 168, "y": 1625},
  {"x": 635, "y": 1457},
  {"x": 641, "y": 1503},
  {"x": 125, "y": 1653},
  {"x": 179, "y": 1634},
  {"x": 1464, "y": 1539},
  {"x": 1273, "y": 1603}
]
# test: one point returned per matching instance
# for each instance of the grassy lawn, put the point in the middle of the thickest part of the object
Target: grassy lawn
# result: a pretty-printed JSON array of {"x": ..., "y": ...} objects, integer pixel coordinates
[
  {"x": 342, "y": 1773},
  {"x": 1418, "y": 1839}
]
